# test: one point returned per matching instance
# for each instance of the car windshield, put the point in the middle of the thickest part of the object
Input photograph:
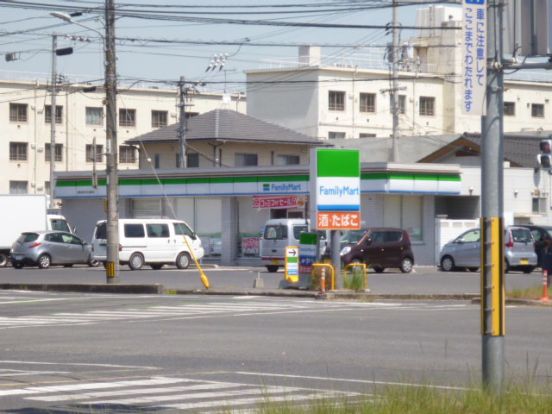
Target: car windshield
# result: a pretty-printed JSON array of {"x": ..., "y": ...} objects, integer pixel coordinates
[
  {"x": 352, "y": 236},
  {"x": 521, "y": 235},
  {"x": 27, "y": 237},
  {"x": 101, "y": 231},
  {"x": 60, "y": 225}
]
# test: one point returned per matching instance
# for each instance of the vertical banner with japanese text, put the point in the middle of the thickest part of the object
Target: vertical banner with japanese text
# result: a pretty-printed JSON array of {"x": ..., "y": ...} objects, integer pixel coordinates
[
  {"x": 335, "y": 189},
  {"x": 474, "y": 56}
]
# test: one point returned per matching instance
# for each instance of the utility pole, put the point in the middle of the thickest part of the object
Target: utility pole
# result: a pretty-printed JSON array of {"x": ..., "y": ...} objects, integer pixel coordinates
[
  {"x": 53, "y": 121},
  {"x": 395, "y": 84},
  {"x": 492, "y": 199},
  {"x": 183, "y": 121},
  {"x": 112, "y": 265}
]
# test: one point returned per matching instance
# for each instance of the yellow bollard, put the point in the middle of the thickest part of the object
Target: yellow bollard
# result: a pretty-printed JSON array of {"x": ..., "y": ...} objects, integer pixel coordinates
[{"x": 325, "y": 266}]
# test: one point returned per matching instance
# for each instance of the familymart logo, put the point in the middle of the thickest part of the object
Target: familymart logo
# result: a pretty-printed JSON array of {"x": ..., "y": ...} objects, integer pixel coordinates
[{"x": 281, "y": 187}]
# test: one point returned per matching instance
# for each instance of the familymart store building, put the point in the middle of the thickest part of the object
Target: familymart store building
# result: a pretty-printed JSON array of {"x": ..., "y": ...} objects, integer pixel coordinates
[{"x": 228, "y": 207}]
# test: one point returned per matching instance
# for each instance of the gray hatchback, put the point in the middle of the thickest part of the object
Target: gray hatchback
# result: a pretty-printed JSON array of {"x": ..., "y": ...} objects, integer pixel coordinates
[
  {"x": 45, "y": 248},
  {"x": 465, "y": 251}
]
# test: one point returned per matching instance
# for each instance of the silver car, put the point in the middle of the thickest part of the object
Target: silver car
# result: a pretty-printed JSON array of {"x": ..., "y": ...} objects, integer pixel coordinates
[
  {"x": 465, "y": 251},
  {"x": 46, "y": 248}
]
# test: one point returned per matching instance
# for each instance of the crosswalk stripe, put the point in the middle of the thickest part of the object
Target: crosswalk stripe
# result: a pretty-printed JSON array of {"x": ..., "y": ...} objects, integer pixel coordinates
[
  {"x": 247, "y": 401},
  {"x": 116, "y": 393},
  {"x": 196, "y": 396},
  {"x": 90, "y": 386}
]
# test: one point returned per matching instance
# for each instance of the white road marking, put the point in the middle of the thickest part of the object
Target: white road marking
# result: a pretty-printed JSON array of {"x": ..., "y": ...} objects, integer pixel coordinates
[
  {"x": 350, "y": 380},
  {"x": 90, "y": 386},
  {"x": 162, "y": 390}
]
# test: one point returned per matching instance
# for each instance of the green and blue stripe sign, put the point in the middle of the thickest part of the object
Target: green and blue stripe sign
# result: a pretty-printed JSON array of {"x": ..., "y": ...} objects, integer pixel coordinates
[{"x": 335, "y": 191}]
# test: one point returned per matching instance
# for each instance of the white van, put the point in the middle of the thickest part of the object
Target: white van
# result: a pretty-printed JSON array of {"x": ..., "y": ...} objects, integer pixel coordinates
[
  {"x": 155, "y": 242},
  {"x": 279, "y": 233}
]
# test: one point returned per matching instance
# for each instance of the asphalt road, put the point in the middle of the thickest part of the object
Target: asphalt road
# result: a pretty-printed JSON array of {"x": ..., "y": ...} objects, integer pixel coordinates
[
  {"x": 424, "y": 280},
  {"x": 66, "y": 353}
]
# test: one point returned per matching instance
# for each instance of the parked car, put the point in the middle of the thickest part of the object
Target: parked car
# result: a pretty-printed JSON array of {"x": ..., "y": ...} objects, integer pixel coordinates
[
  {"x": 46, "y": 248},
  {"x": 153, "y": 242},
  {"x": 465, "y": 251},
  {"x": 543, "y": 239},
  {"x": 380, "y": 248}
]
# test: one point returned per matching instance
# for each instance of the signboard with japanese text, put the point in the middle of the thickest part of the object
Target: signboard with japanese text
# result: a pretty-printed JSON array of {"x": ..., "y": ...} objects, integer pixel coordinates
[
  {"x": 474, "y": 56},
  {"x": 292, "y": 264},
  {"x": 308, "y": 248},
  {"x": 335, "y": 189},
  {"x": 291, "y": 201}
]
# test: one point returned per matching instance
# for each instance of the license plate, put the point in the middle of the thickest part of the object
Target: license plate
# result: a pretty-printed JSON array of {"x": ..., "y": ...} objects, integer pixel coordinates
[
  {"x": 523, "y": 261},
  {"x": 275, "y": 261},
  {"x": 18, "y": 257}
]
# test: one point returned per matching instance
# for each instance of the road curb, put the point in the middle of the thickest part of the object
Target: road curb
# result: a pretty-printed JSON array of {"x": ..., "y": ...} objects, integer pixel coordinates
[
  {"x": 525, "y": 302},
  {"x": 153, "y": 289},
  {"x": 246, "y": 292}
]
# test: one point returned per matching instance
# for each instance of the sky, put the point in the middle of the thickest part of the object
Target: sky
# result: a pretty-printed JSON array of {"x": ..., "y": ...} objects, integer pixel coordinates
[{"x": 142, "y": 62}]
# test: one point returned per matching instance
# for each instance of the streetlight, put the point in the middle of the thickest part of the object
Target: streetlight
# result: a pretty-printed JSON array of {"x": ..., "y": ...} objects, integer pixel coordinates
[{"x": 112, "y": 264}]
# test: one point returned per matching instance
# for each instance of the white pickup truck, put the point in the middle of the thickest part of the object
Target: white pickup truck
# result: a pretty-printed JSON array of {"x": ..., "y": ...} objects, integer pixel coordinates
[{"x": 25, "y": 212}]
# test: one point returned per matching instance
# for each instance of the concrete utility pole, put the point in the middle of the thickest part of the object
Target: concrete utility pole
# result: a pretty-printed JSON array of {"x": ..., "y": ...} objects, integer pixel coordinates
[
  {"x": 492, "y": 199},
  {"x": 112, "y": 265},
  {"x": 395, "y": 85},
  {"x": 53, "y": 121},
  {"x": 183, "y": 121}
]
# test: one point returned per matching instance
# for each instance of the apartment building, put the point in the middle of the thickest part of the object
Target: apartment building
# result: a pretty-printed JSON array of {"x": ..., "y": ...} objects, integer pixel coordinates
[
  {"x": 26, "y": 116},
  {"x": 343, "y": 100}
]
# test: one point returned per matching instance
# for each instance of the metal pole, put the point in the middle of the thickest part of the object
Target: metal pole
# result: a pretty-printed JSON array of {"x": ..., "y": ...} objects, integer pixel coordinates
[
  {"x": 492, "y": 260},
  {"x": 53, "y": 121},
  {"x": 336, "y": 257},
  {"x": 395, "y": 85},
  {"x": 112, "y": 265},
  {"x": 183, "y": 122}
]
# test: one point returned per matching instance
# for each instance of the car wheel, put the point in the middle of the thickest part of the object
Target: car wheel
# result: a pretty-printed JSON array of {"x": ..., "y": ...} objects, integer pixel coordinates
[
  {"x": 3, "y": 260},
  {"x": 17, "y": 265},
  {"x": 93, "y": 262},
  {"x": 156, "y": 266},
  {"x": 379, "y": 269},
  {"x": 528, "y": 269},
  {"x": 272, "y": 268},
  {"x": 406, "y": 265},
  {"x": 183, "y": 260},
  {"x": 447, "y": 264},
  {"x": 506, "y": 266},
  {"x": 44, "y": 261},
  {"x": 136, "y": 261}
]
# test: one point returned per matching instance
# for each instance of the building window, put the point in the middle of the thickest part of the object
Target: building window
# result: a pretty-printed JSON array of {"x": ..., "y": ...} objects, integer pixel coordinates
[
  {"x": 156, "y": 161},
  {"x": 537, "y": 110},
  {"x": 336, "y": 101},
  {"x": 48, "y": 114},
  {"x": 539, "y": 205},
  {"x": 127, "y": 117},
  {"x": 58, "y": 155},
  {"x": 367, "y": 102},
  {"x": 427, "y": 106},
  {"x": 94, "y": 116},
  {"x": 509, "y": 108},
  {"x": 90, "y": 153},
  {"x": 18, "y": 112},
  {"x": 366, "y": 135},
  {"x": 245, "y": 160},
  {"x": 127, "y": 154},
  {"x": 159, "y": 119},
  {"x": 402, "y": 104},
  {"x": 18, "y": 151},
  {"x": 19, "y": 187},
  {"x": 336, "y": 135},
  {"x": 192, "y": 159},
  {"x": 287, "y": 159}
]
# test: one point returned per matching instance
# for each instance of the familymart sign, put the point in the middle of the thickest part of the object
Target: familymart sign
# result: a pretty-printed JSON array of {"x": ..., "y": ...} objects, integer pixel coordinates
[{"x": 335, "y": 188}]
